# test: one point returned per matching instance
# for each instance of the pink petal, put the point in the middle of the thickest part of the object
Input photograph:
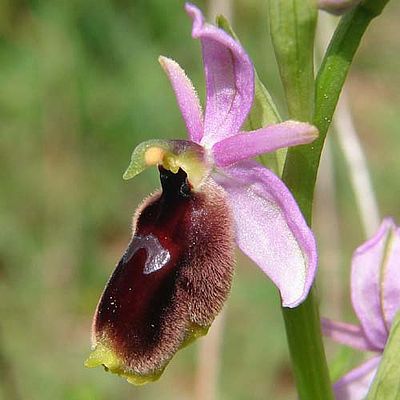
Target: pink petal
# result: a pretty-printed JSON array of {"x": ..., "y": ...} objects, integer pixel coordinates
[
  {"x": 355, "y": 384},
  {"x": 366, "y": 285},
  {"x": 186, "y": 97},
  {"x": 270, "y": 228},
  {"x": 390, "y": 276},
  {"x": 347, "y": 334},
  {"x": 250, "y": 144},
  {"x": 229, "y": 77}
]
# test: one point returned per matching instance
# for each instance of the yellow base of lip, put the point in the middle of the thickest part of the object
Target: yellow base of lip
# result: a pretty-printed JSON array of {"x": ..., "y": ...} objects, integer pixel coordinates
[{"x": 102, "y": 355}]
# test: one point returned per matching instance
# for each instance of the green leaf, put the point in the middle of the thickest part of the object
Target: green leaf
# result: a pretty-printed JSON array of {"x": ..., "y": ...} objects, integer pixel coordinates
[
  {"x": 386, "y": 385},
  {"x": 262, "y": 113},
  {"x": 292, "y": 25}
]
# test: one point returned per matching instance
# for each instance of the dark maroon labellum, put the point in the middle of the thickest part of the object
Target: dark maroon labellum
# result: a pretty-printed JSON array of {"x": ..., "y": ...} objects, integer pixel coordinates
[{"x": 174, "y": 276}]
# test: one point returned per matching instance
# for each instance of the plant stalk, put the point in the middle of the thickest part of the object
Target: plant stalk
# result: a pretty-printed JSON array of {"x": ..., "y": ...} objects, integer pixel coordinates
[{"x": 303, "y": 323}]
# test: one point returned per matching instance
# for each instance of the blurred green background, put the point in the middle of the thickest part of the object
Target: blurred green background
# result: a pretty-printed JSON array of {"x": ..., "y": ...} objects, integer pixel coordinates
[{"x": 80, "y": 86}]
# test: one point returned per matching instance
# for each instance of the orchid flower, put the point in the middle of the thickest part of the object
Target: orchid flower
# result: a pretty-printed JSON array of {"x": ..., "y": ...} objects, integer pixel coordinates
[
  {"x": 177, "y": 271},
  {"x": 337, "y": 7},
  {"x": 375, "y": 294}
]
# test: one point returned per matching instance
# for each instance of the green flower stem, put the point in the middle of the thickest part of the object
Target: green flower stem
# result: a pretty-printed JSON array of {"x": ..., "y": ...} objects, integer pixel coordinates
[
  {"x": 300, "y": 172},
  {"x": 310, "y": 368}
]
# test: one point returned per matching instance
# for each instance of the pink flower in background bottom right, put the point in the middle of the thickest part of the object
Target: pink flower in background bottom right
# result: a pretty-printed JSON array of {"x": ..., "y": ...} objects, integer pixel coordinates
[{"x": 375, "y": 295}]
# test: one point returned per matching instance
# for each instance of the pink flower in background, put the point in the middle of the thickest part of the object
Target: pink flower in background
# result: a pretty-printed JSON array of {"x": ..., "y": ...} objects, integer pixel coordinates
[
  {"x": 375, "y": 295},
  {"x": 176, "y": 274}
]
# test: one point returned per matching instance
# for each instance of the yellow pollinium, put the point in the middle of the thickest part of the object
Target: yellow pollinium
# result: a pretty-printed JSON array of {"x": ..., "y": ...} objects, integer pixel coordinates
[
  {"x": 158, "y": 156},
  {"x": 154, "y": 156},
  {"x": 172, "y": 155}
]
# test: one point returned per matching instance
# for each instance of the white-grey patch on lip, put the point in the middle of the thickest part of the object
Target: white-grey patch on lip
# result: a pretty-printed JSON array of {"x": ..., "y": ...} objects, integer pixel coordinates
[{"x": 157, "y": 256}]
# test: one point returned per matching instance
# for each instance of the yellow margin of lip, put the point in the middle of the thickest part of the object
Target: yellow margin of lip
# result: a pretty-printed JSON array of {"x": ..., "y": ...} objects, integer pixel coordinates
[{"x": 103, "y": 355}]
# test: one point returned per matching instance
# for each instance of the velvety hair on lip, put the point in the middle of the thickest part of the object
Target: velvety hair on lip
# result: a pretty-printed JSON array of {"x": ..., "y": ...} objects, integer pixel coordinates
[{"x": 173, "y": 279}]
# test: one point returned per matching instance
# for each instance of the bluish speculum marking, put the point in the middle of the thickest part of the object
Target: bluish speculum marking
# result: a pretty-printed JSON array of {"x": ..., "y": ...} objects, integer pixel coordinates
[{"x": 157, "y": 255}]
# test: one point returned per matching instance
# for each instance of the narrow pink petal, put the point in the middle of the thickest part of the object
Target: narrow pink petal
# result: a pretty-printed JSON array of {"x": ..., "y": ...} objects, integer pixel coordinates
[
  {"x": 229, "y": 78},
  {"x": 250, "y": 144},
  {"x": 355, "y": 384},
  {"x": 186, "y": 97},
  {"x": 270, "y": 228},
  {"x": 347, "y": 334},
  {"x": 366, "y": 285},
  {"x": 390, "y": 277}
]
